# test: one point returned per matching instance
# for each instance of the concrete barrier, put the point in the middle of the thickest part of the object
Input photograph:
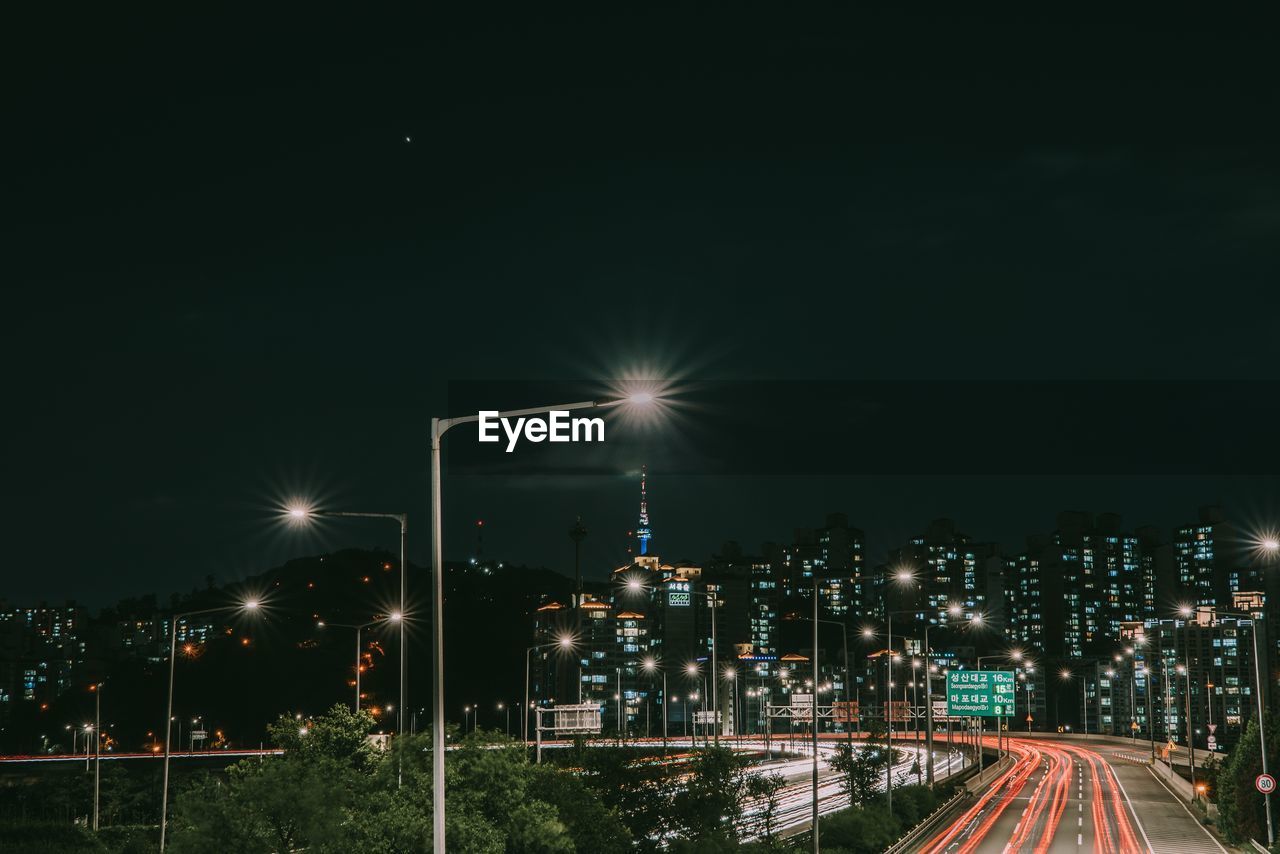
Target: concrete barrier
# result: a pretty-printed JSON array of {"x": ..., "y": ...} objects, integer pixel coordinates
[{"x": 1181, "y": 787}]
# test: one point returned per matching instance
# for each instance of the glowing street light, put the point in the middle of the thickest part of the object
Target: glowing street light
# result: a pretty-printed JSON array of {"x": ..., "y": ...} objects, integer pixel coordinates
[
  {"x": 953, "y": 609},
  {"x": 1268, "y": 546},
  {"x": 393, "y": 617},
  {"x": 251, "y": 605},
  {"x": 565, "y": 643},
  {"x": 303, "y": 514},
  {"x": 650, "y": 665},
  {"x": 96, "y": 689},
  {"x": 639, "y": 397}
]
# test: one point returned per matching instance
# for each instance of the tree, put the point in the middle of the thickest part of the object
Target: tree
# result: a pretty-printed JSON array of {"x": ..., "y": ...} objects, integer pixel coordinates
[
  {"x": 764, "y": 789},
  {"x": 709, "y": 808},
  {"x": 862, "y": 831},
  {"x": 338, "y": 734},
  {"x": 640, "y": 794},
  {"x": 1241, "y": 809},
  {"x": 593, "y": 826},
  {"x": 860, "y": 768},
  {"x": 283, "y": 804}
]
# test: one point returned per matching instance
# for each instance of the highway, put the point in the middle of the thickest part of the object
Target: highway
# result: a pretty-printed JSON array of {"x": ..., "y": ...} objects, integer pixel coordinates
[
  {"x": 23, "y": 759},
  {"x": 1069, "y": 796},
  {"x": 795, "y": 799}
]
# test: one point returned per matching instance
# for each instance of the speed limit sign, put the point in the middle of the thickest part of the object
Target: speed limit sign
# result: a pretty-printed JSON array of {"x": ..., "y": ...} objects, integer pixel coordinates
[{"x": 1265, "y": 783}]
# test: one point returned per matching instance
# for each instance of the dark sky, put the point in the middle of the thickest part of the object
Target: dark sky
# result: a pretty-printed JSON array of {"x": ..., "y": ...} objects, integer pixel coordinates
[{"x": 231, "y": 278}]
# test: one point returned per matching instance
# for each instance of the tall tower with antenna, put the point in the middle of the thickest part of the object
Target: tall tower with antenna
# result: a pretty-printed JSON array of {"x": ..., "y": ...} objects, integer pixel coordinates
[{"x": 642, "y": 530}]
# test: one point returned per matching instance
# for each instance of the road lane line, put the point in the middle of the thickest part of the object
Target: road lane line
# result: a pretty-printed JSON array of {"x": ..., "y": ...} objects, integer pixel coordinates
[{"x": 1151, "y": 771}]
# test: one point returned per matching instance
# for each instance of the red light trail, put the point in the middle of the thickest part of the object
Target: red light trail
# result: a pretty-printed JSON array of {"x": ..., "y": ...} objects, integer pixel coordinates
[{"x": 1047, "y": 801}]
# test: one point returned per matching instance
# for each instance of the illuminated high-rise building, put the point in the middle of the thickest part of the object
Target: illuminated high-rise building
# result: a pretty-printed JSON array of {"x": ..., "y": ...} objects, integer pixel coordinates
[
  {"x": 833, "y": 555},
  {"x": 1071, "y": 592},
  {"x": 1203, "y": 562},
  {"x": 643, "y": 532},
  {"x": 940, "y": 569}
]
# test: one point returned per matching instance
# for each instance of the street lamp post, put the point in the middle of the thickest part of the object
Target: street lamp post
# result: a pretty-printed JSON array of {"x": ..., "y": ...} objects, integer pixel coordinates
[
  {"x": 1084, "y": 711},
  {"x": 96, "y": 688},
  {"x": 248, "y": 605},
  {"x": 1015, "y": 657},
  {"x": 1146, "y": 684},
  {"x": 975, "y": 620},
  {"x": 814, "y": 718},
  {"x": 953, "y": 610},
  {"x": 303, "y": 514},
  {"x": 1191, "y": 744},
  {"x": 578, "y": 533},
  {"x": 564, "y": 643},
  {"x": 713, "y": 600},
  {"x": 844, "y": 634},
  {"x": 649, "y": 666},
  {"x": 731, "y": 676},
  {"x": 622, "y": 718},
  {"x": 440, "y": 426},
  {"x": 694, "y": 672},
  {"x": 359, "y": 629},
  {"x": 1270, "y": 546}
]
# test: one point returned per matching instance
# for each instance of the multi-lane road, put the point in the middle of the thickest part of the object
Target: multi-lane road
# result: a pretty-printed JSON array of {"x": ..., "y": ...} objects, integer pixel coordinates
[
  {"x": 1057, "y": 796},
  {"x": 1068, "y": 796},
  {"x": 795, "y": 798}
]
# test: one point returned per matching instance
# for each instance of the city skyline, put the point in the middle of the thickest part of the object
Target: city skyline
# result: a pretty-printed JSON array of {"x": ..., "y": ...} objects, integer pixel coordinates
[
  {"x": 769, "y": 514},
  {"x": 1153, "y": 573},
  {"x": 761, "y": 427}
]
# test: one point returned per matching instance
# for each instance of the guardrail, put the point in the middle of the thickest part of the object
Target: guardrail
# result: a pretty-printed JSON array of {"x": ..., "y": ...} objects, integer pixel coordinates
[
  {"x": 930, "y": 824},
  {"x": 970, "y": 783}
]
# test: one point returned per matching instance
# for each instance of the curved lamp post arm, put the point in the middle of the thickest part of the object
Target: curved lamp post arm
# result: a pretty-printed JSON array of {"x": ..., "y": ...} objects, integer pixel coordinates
[
  {"x": 440, "y": 426},
  {"x": 168, "y": 717}
]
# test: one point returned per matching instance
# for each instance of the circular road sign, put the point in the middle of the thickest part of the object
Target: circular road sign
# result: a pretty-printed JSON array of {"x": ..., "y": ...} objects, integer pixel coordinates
[{"x": 1265, "y": 783}]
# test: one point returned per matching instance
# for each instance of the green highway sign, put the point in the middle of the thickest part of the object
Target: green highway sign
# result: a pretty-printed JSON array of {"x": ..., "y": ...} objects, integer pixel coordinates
[{"x": 980, "y": 693}]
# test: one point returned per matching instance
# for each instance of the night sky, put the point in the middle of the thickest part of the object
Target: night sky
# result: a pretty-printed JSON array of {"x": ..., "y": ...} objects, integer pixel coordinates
[{"x": 247, "y": 257}]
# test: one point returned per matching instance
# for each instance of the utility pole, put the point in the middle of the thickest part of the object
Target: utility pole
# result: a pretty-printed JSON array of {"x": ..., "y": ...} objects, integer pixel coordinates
[
  {"x": 97, "y": 750},
  {"x": 578, "y": 533},
  {"x": 814, "y": 720},
  {"x": 712, "y": 598}
]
